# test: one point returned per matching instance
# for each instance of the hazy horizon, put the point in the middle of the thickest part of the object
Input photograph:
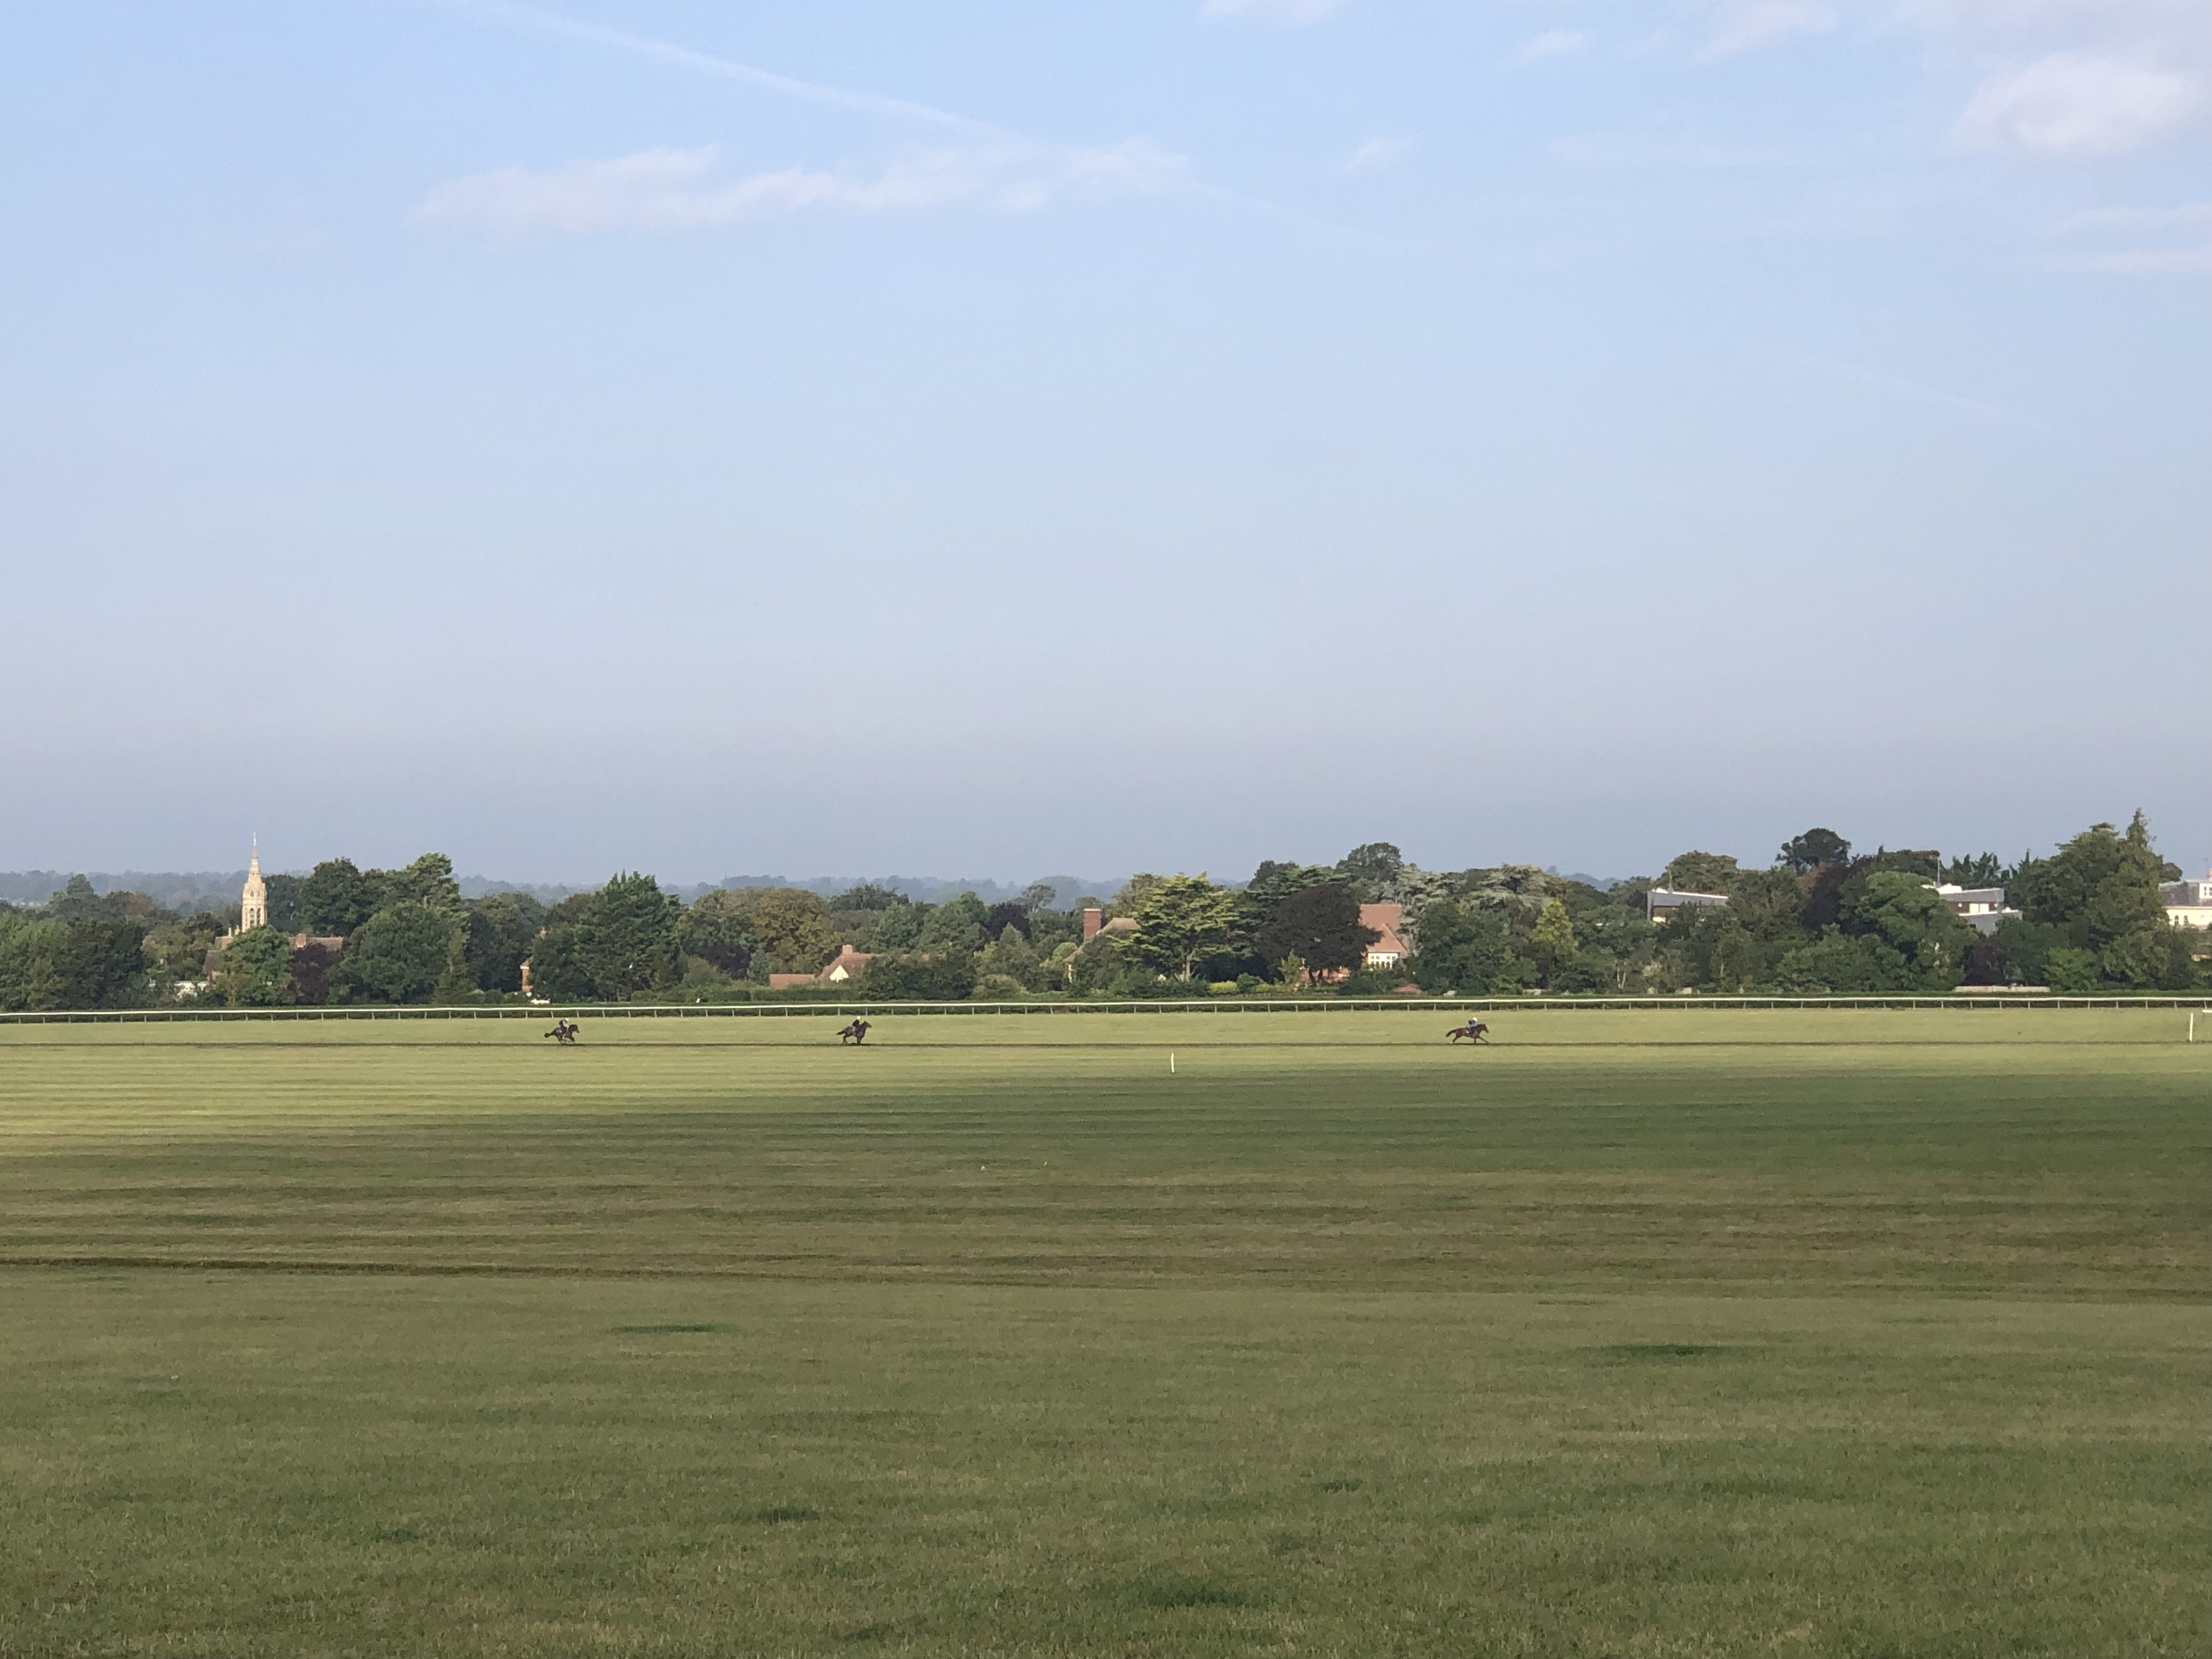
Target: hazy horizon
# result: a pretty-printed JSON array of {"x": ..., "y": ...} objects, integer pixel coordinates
[{"x": 691, "y": 438}]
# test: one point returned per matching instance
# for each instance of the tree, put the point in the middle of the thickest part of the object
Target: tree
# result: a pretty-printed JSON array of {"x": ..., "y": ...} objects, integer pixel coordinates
[
  {"x": 1463, "y": 947},
  {"x": 624, "y": 937},
  {"x": 714, "y": 929},
  {"x": 1986, "y": 963},
  {"x": 1553, "y": 940},
  {"x": 1911, "y": 917},
  {"x": 1010, "y": 955},
  {"x": 76, "y": 902},
  {"x": 1847, "y": 965},
  {"x": 456, "y": 984},
  {"x": 792, "y": 925},
  {"x": 1808, "y": 852},
  {"x": 178, "y": 948},
  {"x": 1370, "y": 871},
  {"x": 312, "y": 965},
  {"x": 1039, "y": 895},
  {"x": 99, "y": 963},
  {"x": 256, "y": 969},
  {"x": 1700, "y": 872},
  {"x": 955, "y": 926},
  {"x": 867, "y": 897},
  {"x": 2099, "y": 888},
  {"x": 427, "y": 882},
  {"x": 899, "y": 928},
  {"x": 556, "y": 971},
  {"x": 336, "y": 898},
  {"x": 397, "y": 955},
  {"x": 1182, "y": 917},
  {"x": 284, "y": 893},
  {"x": 1318, "y": 925},
  {"x": 1273, "y": 882},
  {"x": 2158, "y": 957},
  {"x": 501, "y": 930},
  {"x": 1002, "y": 916},
  {"x": 907, "y": 978},
  {"x": 1980, "y": 870}
]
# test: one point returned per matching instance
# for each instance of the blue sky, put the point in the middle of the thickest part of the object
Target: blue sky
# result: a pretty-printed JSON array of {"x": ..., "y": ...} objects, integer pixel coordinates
[{"x": 1003, "y": 438}]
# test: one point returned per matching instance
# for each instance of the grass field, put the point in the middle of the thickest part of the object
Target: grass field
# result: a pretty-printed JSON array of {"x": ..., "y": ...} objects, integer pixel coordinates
[{"x": 1640, "y": 1333}]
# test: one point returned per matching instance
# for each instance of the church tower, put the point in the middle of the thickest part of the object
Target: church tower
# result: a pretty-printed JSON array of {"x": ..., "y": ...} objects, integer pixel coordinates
[{"x": 253, "y": 902}]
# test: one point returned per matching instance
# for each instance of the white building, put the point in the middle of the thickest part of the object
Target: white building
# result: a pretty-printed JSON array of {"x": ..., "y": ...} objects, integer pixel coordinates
[
  {"x": 1662, "y": 902},
  {"x": 1981, "y": 907},
  {"x": 2188, "y": 904}
]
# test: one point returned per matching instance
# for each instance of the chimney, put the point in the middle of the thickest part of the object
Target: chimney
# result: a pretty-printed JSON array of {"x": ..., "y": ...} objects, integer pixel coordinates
[{"x": 1093, "y": 919}]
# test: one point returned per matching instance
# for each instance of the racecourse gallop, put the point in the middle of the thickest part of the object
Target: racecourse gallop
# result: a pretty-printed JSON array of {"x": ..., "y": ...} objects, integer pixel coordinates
[
  {"x": 1474, "y": 1031},
  {"x": 856, "y": 1032},
  {"x": 563, "y": 1032}
]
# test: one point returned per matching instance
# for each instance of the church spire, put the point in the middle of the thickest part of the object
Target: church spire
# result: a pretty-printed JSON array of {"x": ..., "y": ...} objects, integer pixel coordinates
[{"x": 253, "y": 901}]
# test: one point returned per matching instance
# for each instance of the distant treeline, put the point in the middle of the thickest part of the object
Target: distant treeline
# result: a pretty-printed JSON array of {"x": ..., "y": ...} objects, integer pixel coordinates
[
  {"x": 1821, "y": 919},
  {"x": 188, "y": 890}
]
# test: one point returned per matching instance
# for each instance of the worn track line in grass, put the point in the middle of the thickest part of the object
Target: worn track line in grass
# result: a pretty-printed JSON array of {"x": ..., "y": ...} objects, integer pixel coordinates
[{"x": 1161, "y": 1044}]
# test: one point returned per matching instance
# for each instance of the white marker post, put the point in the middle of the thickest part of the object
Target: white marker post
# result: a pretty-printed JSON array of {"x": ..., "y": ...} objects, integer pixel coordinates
[{"x": 2192, "y": 1037}]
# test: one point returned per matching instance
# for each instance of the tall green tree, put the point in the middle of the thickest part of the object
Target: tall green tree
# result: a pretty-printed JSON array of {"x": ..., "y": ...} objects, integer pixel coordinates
[
  {"x": 336, "y": 898},
  {"x": 1370, "y": 871},
  {"x": 794, "y": 927},
  {"x": 625, "y": 937},
  {"x": 256, "y": 969},
  {"x": 1180, "y": 919},
  {"x": 397, "y": 955},
  {"x": 2099, "y": 888},
  {"x": 501, "y": 930},
  {"x": 284, "y": 902},
  {"x": 1701, "y": 872},
  {"x": 1318, "y": 925},
  {"x": 1909, "y": 916},
  {"x": 1552, "y": 941},
  {"x": 1808, "y": 852},
  {"x": 713, "y": 929},
  {"x": 1463, "y": 948},
  {"x": 429, "y": 882},
  {"x": 557, "y": 973},
  {"x": 956, "y": 925}
]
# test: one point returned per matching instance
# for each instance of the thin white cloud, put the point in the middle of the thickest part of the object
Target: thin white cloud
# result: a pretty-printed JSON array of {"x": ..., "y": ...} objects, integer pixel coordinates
[
  {"x": 1289, "y": 13},
  {"x": 1551, "y": 43},
  {"x": 2189, "y": 225},
  {"x": 664, "y": 52},
  {"x": 2068, "y": 104},
  {"x": 677, "y": 189},
  {"x": 2189, "y": 215},
  {"x": 1741, "y": 26},
  {"x": 1375, "y": 152},
  {"x": 1630, "y": 151},
  {"x": 1926, "y": 394},
  {"x": 2152, "y": 262}
]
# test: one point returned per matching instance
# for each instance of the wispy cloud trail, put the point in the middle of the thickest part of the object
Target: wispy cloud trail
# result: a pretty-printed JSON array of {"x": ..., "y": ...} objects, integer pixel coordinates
[
  {"x": 728, "y": 68},
  {"x": 1926, "y": 393}
]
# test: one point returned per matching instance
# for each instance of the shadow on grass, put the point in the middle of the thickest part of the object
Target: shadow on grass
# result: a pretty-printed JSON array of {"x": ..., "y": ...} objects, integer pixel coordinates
[{"x": 1176, "y": 1591}]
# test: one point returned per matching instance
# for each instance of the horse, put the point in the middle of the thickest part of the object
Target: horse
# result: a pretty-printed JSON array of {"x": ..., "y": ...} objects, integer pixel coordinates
[
  {"x": 1475, "y": 1029},
  {"x": 856, "y": 1032},
  {"x": 563, "y": 1032}
]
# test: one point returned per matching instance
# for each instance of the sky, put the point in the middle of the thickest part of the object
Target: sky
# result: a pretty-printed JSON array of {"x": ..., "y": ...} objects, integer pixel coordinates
[{"x": 995, "y": 439}]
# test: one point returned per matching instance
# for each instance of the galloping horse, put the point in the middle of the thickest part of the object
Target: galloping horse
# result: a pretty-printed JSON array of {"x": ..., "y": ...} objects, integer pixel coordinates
[
  {"x": 1474, "y": 1030},
  {"x": 563, "y": 1032},
  {"x": 856, "y": 1032}
]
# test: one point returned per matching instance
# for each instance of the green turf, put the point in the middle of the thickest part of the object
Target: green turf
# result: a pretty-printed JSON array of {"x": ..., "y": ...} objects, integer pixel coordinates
[{"x": 1647, "y": 1333}]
